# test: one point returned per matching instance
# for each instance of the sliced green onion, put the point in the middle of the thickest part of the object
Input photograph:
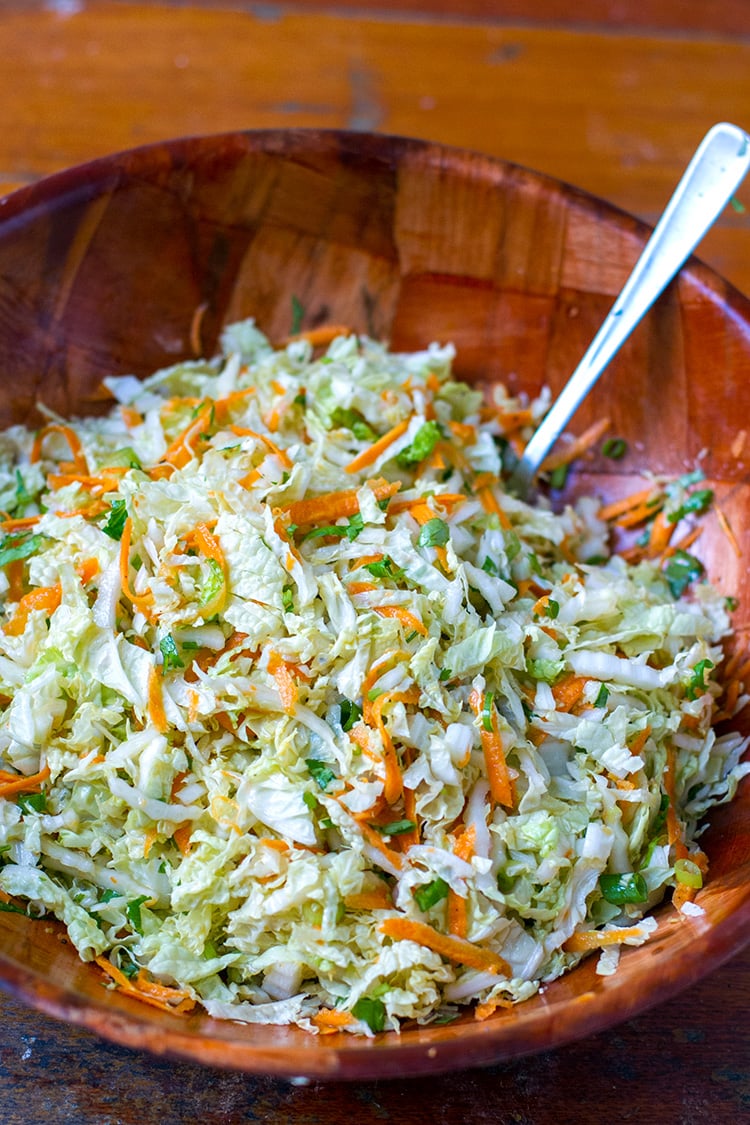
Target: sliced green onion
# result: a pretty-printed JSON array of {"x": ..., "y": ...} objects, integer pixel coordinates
[{"x": 688, "y": 873}]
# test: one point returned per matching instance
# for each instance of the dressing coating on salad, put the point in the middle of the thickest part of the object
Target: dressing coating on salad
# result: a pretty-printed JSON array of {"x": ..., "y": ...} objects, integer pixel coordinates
[{"x": 307, "y": 720}]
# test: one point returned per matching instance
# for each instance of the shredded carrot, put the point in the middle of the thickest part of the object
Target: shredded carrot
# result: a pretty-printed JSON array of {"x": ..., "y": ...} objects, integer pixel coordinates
[
  {"x": 174, "y": 1000},
  {"x": 726, "y": 527},
  {"x": 490, "y": 504},
  {"x": 452, "y": 948},
  {"x": 156, "y": 711},
  {"x": 674, "y": 828},
  {"x": 271, "y": 446},
  {"x": 130, "y": 416},
  {"x": 407, "y": 619},
  {"x": 636, "y": 500},
  {"x": 683, "y": 543},
  {"x": 70, "y": 436},
  {"x": 330, "y": 1020},
  {"x": 249, "y": 479},
  {"x": 375, "y": 839},
  {"x": 489, "y": 1007},
  {"x": 567, "y": 691},
  {"x": 19, "y": 524},
  {"x": 585, "y": 940},
  {"x": 14, "y": 570},
  {"x": 369, "y": 900},
  {"x": 411, "y": 838},
  {"x": 501, "y": 787},
  {"x": 148, "y": 841},
  {"x": 44, "y": 597},
  {"x": 365, "y": 560},
  {"x": 577, "y": 447},
  {"x": 331, "y": 506},
  {"x": 661, "y": 532},
  {"x": 14, "y": 783},
  {"x": 419, "y": 507},
  {"x": 285, "y": 682},
  {"x": 367, "y": 456},
  {"x": 360, "y": 587},
  {"x": 322, "y": 335},
  {"x": 141, "y": 602},
  {"x": 639, "y": 741},
  {"x": 394, "y": 782},
  {"x": 181, "y": 837},
  {"x": 222, "y": 406},
  {"x": 181, "y": 451},
  {"x": 87, "y": 570},
  {"x": 458, "y": 923},
  {"x": 273, "y": 844},
  {"x": 681, "y": 894},
  {"x": 383, "y": 664},
  {"x": 210, "y": 547},
  {"x": 464, "y": 432}
]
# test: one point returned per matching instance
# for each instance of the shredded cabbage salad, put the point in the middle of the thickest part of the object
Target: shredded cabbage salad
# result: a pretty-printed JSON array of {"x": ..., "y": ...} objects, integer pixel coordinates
[{"x": 306, "y": 719}]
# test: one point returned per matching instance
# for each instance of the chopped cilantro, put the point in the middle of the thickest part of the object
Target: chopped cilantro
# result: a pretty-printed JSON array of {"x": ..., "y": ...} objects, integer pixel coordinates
[
  {"x": 490, "y": 567},
  {"x": 697, "y": 684},
  {"x": 320, "y": 772},
  {"x": 371, "y": 1011},
  {"x": 681, "y": 570},
  {"x": 384, "y": 568},
  {"x": 552, "y": 608},
  {"x": 114, "y": 524},
  {"x": 434, "y": 533},
  {"x": 133, "y": 912},
  {"x": 170, "y": 654},
  {"x": 445, "y": 674}
]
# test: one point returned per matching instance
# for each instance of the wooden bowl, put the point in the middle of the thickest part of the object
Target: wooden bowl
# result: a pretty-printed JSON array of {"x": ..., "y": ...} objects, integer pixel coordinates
[{"x": 102, "y": 269}]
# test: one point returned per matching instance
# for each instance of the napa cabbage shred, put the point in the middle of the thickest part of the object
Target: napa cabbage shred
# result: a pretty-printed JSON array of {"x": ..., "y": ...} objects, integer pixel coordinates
[{"x": 307, "y": 720}]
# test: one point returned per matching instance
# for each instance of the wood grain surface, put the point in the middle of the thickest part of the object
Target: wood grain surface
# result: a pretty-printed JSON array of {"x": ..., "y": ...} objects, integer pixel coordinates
[
  {"x": 683, "y": 1063},
  {"x": 617, "y": 112}
]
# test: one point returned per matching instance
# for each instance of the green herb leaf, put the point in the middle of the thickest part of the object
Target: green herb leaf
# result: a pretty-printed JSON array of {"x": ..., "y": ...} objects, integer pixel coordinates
[
  {"x": 287, "y": 598},
  {"x": 23, "y": 497},
  {"x": 696, "y": 503},
  {"x": 109, "y": 894},
  {"x": 620, "y": 889},
  {"x": 298, "y": 314},
  {"x": 490, "y": 567},
  {"x": 615, "y": 448},
  {"x": 445, "y": 674},
  {"x": 434, "y": 533},
  {"x": 300, "y": 399},
  {"x": 15, "y": 547},
  {"x": 596, "y": 560},
  {"x": 170, "y": 654},
  {"x": 116, "y": 519},
  {"x": 332, "y": 529},
  {"x": 133, "y": 912},
  {"x": 697, "y": 683},
  {"x": 430, "y": 893},
  {"x": 384, "y": 568},
  {"x": 552, "y": 608},
  {"x": 681, "y": 570},
  {"x": 371, "y": 1011},
  {"x": 602, "y": 696},
  {"x": 425, "y": 440},
  {"x": 351, "y": 713},
  {"x": 32, "y": 802},
  {"x": 396, "y": 827},
  {"x": 320, "y": 772},
  {"x": 559, "y": 476},
  {"x": 731, "y": 603},
  {"x": 354, "y": 527}
]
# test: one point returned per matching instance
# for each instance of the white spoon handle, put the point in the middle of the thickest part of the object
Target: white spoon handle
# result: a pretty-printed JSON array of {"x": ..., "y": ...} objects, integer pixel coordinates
[{"x": 711, "y": 178}]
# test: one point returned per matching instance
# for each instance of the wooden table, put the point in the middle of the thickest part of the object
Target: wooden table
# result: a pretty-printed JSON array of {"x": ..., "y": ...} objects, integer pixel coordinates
[{"x": 613, "y": 98}]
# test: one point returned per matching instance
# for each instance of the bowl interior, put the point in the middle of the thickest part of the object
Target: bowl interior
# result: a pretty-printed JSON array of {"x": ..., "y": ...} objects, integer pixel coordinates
[{"x": 134, "y": 261}]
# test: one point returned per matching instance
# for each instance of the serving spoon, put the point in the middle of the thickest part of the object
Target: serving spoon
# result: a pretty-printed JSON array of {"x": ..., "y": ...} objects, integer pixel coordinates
[{"x": 713, "y": 175}]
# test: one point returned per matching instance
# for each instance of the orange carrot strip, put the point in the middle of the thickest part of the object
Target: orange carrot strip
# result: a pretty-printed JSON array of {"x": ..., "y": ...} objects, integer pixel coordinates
[
  {"x": 444, "y": 499},
  {"x": 369, "y": 900},
  {"x": 173, "y": 1000},
  {"x": 674, "y": 828},
  {"x": 501, "y": 787},
  {"x": 44, "y": 597},
  {"x": 149, "y": 841},
  {"x": 585, "y": 940},
  {"x": 578, "y": 446},
  {"x": 331, "y": 506},
  {"x": 635, "y": 500},
  {"x": 330, "y": 1020},
  {"x": 271, "y": 446},
  {"x": 568, "y": 690},
  {"x": 19, "y": 524},
  {"x": 181, "y": 451},
  {"x": 639, "y": 741},
  {"x": 273, "y": 844},
  {"x": 11, "y": 783},
  {"x": 365, "y": 560},
  {"x": 322, "y": 335},
  {"x": 464, "y": 432},
  {"x": 156, "y": 711},
  {"x": 87, "y": 570},
  {"x": 458, "y": 923},
  {"x": 360, "y": 587},
  {"x": 490, "y": 504},
  {"x": 394, "y": 782},
  {"x": 140, "y": 601},
  {"x": 14, "y": 570},
  {"x": 661, "y": 532},
  {"x": 285, "y": 682},
  {"x": 375, "y": 839},
  {"x": 452, "y": 948},
  {"x": 224, "y": 405},
  {"x": 163, "y": 992},
  {"x": 489, "y": 1007},
  {"x": 382, "y": 664},
  {"x": 72, "y": 439},
  {"x": 683, "y": 543},
  {"x": 726, "y": 527},
  {"x": 181, "y": 837},
  {"x": 640, "y": 514},
  {"x": 367, "y": 456},
  {"x": 407, "y": 619},
  {"x": 130, "y": 416}
]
